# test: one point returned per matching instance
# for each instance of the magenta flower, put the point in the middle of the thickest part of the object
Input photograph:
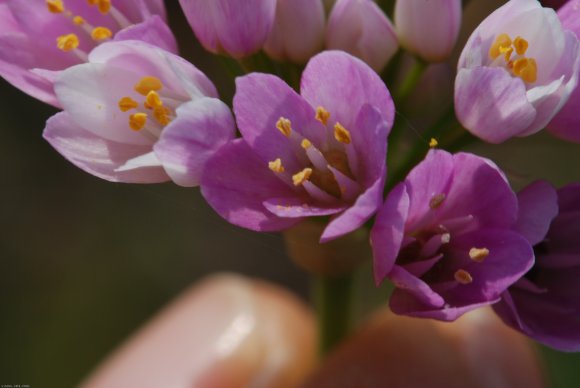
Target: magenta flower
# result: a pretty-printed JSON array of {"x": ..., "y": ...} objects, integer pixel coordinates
[
  {"x": 516, "y": 72},
  {"x": 444, "y": 237},
  {"x": 238, "y": 28},
  {"x": 39, "y": 37},
  {"x": 545, "y": 303},
  {"x": 566, "y": 124},
  {"x": 362, "y": 29},
  {"x": 428, "y": 28},
  {"x": 315, "y": 154},
  {"x": 136, "y": 113}
]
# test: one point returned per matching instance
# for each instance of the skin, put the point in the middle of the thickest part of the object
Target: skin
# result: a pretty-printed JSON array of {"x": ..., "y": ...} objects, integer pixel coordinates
[{"x": 195, "y": 342}]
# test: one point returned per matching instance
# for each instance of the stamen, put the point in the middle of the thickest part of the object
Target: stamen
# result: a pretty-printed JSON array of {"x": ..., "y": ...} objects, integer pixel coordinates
[
  {"x": 147, "y": 84},
  {"x": 285, "y": 126},
  {"x": 276, "y": 166},
  {"x": 153, "y": 100},
  {"x": 478, "y": 254},
  {"x": 67, "y": 42},
  {"x": 463, "y": 277},
  {"x": 137, "y": 121},
  {"x": 526, "y": 69},
  {"x": 127, "y": 103},
  {"x": 322, "y": 115},
  {"x": 55, "y": 6},
  {"x": 507, "y": 52},
  {"x": 437, "y": 200},
  {"x": 161, "y": 114},
  {"x": 78, "y": 20},
  {"x": 103, "y": 5},
  {"x": 521, "y": 45},
  {"x": 341, "y": 134},
  {"x": 301, "y": 177},
  {"x": 502, "y": 41},
  {"x": 101, "y": 33},
  {"x": 433, "y": 143},
  {"x": 306, "y": 144}
]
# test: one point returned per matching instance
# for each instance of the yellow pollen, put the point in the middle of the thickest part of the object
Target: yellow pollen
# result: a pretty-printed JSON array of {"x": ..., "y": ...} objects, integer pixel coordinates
[
  {"x": 153, "y": 100},
  {"x": 55, "y": 6},
  {"x": 78, "y": 20},
  {"x": 285, "y": 126},
  {"x": 507, "y": 52},
  {"x": 137, "y": 121},
  {"x": 147, "y": 84},
  {"x": 92, "y": 2},
  {"x": 161, "y": 114},
  {"x": 101, "y": 33},
  {"x": 433, "y": 143},
  {"x": 502, "y": 41},
  {"x": 306, "y": 144},
  {"x": 341, "y": 134},
  {"x": 463, "y": 277},
  {"x": 276, "y": 166},
  {"x": 478, "y": 254},
  {"x": 322, "y": 115},
  {"x": 67, "y": 42},
  {"x": 301, "y": 177},
  {"x": 437, "y": 200},
  {"x": 521, "y": 45},
  {"x": 526, "y": 69},
  {"x": 127, "y": 103},
  {"x": 104, "y": 6}
]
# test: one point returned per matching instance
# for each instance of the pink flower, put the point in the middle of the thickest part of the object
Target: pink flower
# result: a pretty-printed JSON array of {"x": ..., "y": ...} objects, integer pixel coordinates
[
  {"x": 39, "y": 37},
  {"x": 238, "y": 28},
  {"x": 361, "y": 28},
  {"x": 136, "y": 113},
  {"x": 428, "y": 28},
  {"x": 566, "y": 124},
  {"x": 318, "y": 153},
  {"x": 298, "y": 30},
  {"x": 516, "y": 72}
]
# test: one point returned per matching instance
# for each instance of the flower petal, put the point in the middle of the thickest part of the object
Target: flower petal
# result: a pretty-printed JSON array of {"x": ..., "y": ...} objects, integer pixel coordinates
[
  {"x": 153, "y": 31},
  {"x": 537, "y": 207},
  {"x": 96, "y": 155},
  {"x": 294, "y": 207},
  {"x": 201, "y": 127},
  {"x": 235, "y": 182}
]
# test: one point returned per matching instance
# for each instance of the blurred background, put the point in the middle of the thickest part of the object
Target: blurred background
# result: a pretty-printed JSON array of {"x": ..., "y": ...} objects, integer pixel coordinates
[{"x": 84, "y": 262}]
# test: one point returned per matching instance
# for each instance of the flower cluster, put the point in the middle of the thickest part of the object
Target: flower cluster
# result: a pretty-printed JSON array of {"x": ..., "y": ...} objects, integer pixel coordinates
[{"x": 452, "y": 235}]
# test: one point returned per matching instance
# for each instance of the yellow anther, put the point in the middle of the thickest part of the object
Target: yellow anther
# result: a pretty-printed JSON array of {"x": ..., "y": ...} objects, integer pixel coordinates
[
  {"x": 153, "y": 100},
  {"x": 301, "y": 177},
  {"x": 437, "y": 200},
  {"x": 104, "y": 6},
  {"x": 478, "y": 254},
  {"x": 137, "y": 121},
  {"x": 502, "y": 41},
  {"x": 127, "y": 103},
  {"x": 92, "y": 2},
  {"x": 147, "y": 84},
  {"x": 276, "y": 166},
  {"x": 433, "y": 143},
  {"x": 55, "y": 6},
  {"x": 285, "y": 126},
  {"x": 322, "y": 115},
  {"x": 341, "y": 134},
  {"x": 507, "y": 52},
  {"x": 78, "y": 20},
  {"x": 463, "y": 277},
  {"x": 161, "y": 114},
  {"x": 67, "y": 42},
  {"x": 526, "y": 69},
  {"x": 101, "y": 33},
  {"x": 521, "y": 45},
  {"x": 306, "y": 144}
]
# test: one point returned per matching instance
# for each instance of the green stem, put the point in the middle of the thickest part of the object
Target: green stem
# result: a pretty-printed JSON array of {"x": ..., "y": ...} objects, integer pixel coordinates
[
  {"x": 332, "y": 297},
  {"x": 411, "y": 79}
]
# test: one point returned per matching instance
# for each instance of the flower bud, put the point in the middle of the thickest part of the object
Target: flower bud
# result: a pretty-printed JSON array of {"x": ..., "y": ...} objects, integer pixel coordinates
[
  {"x": 360, "y": 28},
  {"x": 428, "y": 28},
  {"x": 237, "y": 28},
  {"x": 298, "y": 30}
]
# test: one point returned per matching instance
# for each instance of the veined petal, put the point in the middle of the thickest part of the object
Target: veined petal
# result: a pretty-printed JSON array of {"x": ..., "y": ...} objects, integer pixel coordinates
[
  {"x": 98, "y": 156},
  {"x": 201, "y": 127}
]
